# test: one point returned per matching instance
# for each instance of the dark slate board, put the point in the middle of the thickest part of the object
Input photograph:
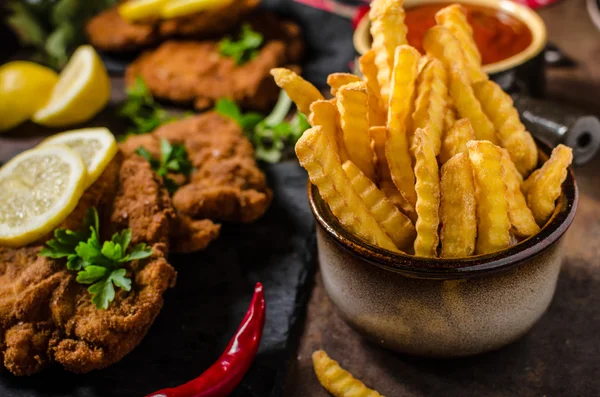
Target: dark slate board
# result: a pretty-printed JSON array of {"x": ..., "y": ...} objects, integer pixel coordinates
[{"x": 213, "y": 290}]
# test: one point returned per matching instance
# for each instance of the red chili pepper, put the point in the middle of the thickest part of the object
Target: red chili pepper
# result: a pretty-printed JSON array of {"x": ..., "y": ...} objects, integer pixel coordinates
[{"x": 224, "y": 375}]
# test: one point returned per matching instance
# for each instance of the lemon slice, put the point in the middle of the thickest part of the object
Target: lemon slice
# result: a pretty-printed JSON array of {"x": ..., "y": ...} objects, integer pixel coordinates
[
  {"x": 179, "y": 8},
  {"x": 24, "y": 88},
  {"x": 38, "y": 189},
  {"x": 83, "y": 89},
  {"x": 138, "y": 10},
  {"x": 96, "y": 146}
]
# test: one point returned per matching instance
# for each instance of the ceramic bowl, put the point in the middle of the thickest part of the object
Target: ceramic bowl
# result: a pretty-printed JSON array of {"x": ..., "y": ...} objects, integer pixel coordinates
[
  {"x": 441, "y": 307},
  {"x": 523, "y": 72}
]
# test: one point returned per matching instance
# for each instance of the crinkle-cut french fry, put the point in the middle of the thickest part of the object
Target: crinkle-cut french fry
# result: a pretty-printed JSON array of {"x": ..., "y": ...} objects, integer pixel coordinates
[
  {"x": 513, "y": 136},
  {"x": 455, "y": 140},
  {"x": 430, "y": 105},
  {"x": 394, "y": 223},
  {"x": 325, "y": 114},
  {"x": 325, "y": 171},
  {"x": 546, "y": 186},
  {"x": 337, "y": 80},
  {"x": 458, "y": 208},
  {"x": 428, "y": 194},
  {"x": 388, "y": 31},
  {"x": 521, "y": 217},
  {"x": 377, "y": 113},
  {"x": 299, "y": 90},
  {"x": 449, "y": 118},
  {"x": 440, "y": 43},
  {"x": 393, "y": 194},
  {"x": 454, "y": 18},
  {"x": 493, "y": 227},
  {"x": 527, "y": 183},
  {"x": 336, "y": 380},
  {"x": 369, "y": 70},
  {"x": 353, "y": 105},
  {"x": 404, "y": 76}
]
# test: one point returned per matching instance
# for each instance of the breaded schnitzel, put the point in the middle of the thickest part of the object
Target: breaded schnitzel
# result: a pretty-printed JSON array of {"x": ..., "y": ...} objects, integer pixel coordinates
[
  {"x": 47, "y": 317},
  {"x": 227, "y": 184},
  {"x": 108, "y": 31},
  {"x": 191, "y": 71}
]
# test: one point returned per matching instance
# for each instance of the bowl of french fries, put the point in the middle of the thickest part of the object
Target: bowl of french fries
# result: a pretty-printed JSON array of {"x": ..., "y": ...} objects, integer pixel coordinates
[{"x": 439, "y": 218}]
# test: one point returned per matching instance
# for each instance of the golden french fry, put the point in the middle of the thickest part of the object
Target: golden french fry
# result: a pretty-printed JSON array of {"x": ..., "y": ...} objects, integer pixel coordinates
[
  {"x": 513, "y": 136},
  {"x": 353, "y": 105},
  {"x": 449, "y": 118},
  {"x": 402, "y": 92},
  {"x": 394, "y": 223},
  {"x": 369, "y": 70},
  {"x": 458, "y": 208},
  {"x": 325, "y": 171},
  {"x": 521, "y": 217},
  {"x": 545, "y": 187},
  {"x": 440, "y": 43},
  {"x": 336, "y": 380},
  {"x": 337, "y": 80},
  {"x": 493, "y": 227},
  {"x": 527, "y": 183},
  {"x": 393, "y": 194},
  {"x": 430, "y": 105},
  {"x": 299, "y": 90},
  {"x": 428, "y": 194},
  {"x": 324, "y": 113},
  {"x": 454, "y": 18},
  {"x": 455, "y": 140},
  {"x": 388, "y": 31}
]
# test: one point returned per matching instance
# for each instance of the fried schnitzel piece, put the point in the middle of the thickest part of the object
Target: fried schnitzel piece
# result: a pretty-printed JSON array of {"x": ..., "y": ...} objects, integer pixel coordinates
[
  {"x": 47, "y": 317},
  {"x": 191, "y": 71},
  {"x": 227, "y": 184},
  {"x": 108, "y": 31}
]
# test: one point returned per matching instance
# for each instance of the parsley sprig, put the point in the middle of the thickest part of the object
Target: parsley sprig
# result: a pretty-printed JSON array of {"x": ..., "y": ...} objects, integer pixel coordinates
[
  {"x": 270, "y": 134},
  {"x": 142, "y": 111},
  {"x": 98, "y": 264},
  {"x": 173, "y": 159},
  {"x": 243, "y": 50}
]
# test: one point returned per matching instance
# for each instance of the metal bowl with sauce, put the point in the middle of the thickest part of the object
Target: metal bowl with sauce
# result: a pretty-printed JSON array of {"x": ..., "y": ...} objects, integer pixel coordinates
[{"x": 517, "y": 65}]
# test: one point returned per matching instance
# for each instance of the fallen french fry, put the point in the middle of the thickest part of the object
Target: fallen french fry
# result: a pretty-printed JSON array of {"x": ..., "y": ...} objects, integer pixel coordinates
[
  {"x": 455, "y": 140},
  {"x": 493, "y": 224},
  {"x": 388, "y": 31},
  {"x": 440, "y": 43},
  {"x": 545, "y": 187},
  {"x": 337, "y": 80},
  {"x": 353, "y": 106},
  {"x": 428, "y": 195},
  {"x": 299, "y": 90},
  {"x": 325, "y": 171},
  {"x": 430, "y": 105},
  {"x": 458, "y": 208},
  {"x": 521, "y": 218},
  {"x": 336, "y": 380},
  {"x": 513, "y": 136},
  {"x": 402, "y": 93},
  {"x": 454, "y": 18},
  {"x": 325, "y": 114}
]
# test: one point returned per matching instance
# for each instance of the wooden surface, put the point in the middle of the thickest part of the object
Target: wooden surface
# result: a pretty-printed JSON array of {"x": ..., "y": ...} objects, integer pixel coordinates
[{"x": 561, "y": 355}]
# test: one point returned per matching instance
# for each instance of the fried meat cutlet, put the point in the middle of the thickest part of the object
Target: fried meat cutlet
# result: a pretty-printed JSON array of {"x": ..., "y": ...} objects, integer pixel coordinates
[
  {"x": 191, "y": 71},
  {"x": 226, "y": 184},
  {"x": 47, "y": 317},
  {"x": 108, "y": 31}
]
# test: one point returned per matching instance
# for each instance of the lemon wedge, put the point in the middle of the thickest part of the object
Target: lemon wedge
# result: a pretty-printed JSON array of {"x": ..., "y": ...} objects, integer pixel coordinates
[
  {"x": 38, "y": 189},
  {"x": 139, "y": 10},
  {"x": 179, "y": 8},
  {"x": 96, "y": 146},
  {"x": 24, "y": 88},
  {"x": 83, "y": 89}
]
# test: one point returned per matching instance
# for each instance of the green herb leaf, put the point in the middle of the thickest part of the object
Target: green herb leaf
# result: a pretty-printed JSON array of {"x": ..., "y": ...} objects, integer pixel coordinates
[
  {"x": 243, "y": 50},
  {"x": 119, "y": 279},
  {"x": 103, "y": 293},
  {"x": 91, "y": 274},
  {"x": 228, "y": 108},
  {"x": 173, "y": 159},
  {"x": 140, "y": 251}
]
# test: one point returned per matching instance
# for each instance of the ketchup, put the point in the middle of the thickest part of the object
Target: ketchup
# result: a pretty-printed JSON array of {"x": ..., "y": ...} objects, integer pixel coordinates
[{"x": 498, "y": 35}]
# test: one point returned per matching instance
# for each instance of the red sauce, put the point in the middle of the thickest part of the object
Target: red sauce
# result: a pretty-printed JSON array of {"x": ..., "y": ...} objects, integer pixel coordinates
[{"x": 498, "y": 35}]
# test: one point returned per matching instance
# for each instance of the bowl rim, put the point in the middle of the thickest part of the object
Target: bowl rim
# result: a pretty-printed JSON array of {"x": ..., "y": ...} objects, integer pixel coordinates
[
  {"x": 525, "y": 14},
  {"x": 453, "y": 268}
]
